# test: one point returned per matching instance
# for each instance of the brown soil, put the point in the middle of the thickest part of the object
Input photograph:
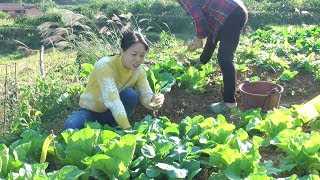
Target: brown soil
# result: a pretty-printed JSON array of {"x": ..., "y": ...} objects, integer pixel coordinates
[{"x": 179, "y": 103}]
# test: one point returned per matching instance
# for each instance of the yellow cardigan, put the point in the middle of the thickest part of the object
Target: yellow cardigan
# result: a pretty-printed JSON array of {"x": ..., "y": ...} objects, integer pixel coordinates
[{"x": 106, "y": 80}]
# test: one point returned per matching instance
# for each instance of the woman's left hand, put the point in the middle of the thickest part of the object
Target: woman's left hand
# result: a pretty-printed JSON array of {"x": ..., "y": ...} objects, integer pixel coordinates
[
  {"x": 196, "y": 43},
  {"x": 157, "y": 100}
]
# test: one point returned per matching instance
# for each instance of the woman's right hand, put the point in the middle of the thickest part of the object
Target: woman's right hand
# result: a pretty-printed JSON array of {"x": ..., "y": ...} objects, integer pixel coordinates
[
  {"x": 157, "y": 100},
  {"x": 196, "y": 43}
]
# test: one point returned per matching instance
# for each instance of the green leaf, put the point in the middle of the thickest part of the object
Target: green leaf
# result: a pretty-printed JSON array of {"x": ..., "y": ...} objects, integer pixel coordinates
[
  {"x": 172, "y": 171},
  {"x": 20, "y": 151},
  {"x": 254, "y": 79},
  {"x": 276, "y": 121},
  {"x": 136, "y": 162},
  {"x": 220, "y": 133},
  {"x": 309, "y": 177},
  {"x": 288, "y": 75},
  {"x": 79, "y": 145},
  {"x": 242, "y": 68},
  {"x": 301, "y": 147},
  {"x": 148, "y": 151},
  {"x": 36, "y": 139},
  {"x": 259, "y": 176},
  {"x": 309, "y": 110},
  {"x": 123, "y": 150},
  {"x": 117, "y": 158},
  {"x": 86, "y": 69},
  {"x": 153, "y": 80},
  {"x": 34, "y": 171},
  {"x": 153, "y": 171},
  {"x": 104, "y": 163},
  {"x": 143, "y": 176},
  {"x": 193, "y": 167},
  {"x": 105, "y": 136},
  {"x": 178, "y": 154},
  {"x": 141, "y": 127},
  {"x": 284, "y": 140},
  {"x": 4, "y": 160},
  {"x": 287, "y": 164},
  {"x": 311, "y": 144},
  {"x": 172, "y": 131},
  {"x": 66, "y": 172},
  {"x": 193, "y": 79},
  {"x": 184, "y": 128},
  {"x": 315, "y": 124},
  {"x": 220, "y": 156},
  {"x": 221, "y": 119},
  {"x": 257, "y": 142},
  {"x": 162, "y": 147},
  {"x": 241, "y": 168},
  {"x": 271, "y": 169},
  {"x": 307, "y": 162},
  {"x": 92, "y": 125},
  {"x": 167, "y": 81}
]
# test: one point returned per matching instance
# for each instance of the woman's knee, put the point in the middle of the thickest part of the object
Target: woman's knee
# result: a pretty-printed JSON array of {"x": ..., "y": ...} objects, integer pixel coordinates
[
  {"x": 225, "y": 61},
  {"x": 129, "y": 96},
  {"x": 77, "y": 119}
]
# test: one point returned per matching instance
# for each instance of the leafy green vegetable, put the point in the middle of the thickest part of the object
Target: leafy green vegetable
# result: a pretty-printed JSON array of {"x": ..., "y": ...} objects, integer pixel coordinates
[
  {"x": 288, "y": 75},
  {"x": 66, "y": 172}
]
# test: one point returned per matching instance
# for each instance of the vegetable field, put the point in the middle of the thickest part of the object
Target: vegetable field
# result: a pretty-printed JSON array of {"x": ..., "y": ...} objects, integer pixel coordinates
[{"x": 182, "y": 140}]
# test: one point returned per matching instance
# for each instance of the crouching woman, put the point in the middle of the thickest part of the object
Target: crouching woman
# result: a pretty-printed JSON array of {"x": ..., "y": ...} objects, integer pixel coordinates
[{"x": 114, "y": 87}]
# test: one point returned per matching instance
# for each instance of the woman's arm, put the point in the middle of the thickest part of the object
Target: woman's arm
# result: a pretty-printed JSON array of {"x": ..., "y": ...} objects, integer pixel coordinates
[
  {"x": 193, "y": 8},
  {"x": 144, "y": 90},
  {"x": 111, "y": 99}
]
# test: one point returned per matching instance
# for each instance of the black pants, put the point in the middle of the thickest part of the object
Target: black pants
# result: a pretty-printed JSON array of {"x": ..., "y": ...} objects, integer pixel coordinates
[{"x": 228, "y": 36}]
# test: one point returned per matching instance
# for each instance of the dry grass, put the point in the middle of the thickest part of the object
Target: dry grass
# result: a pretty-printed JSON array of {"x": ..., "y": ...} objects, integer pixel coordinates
[{"x": 80, "y": 33}]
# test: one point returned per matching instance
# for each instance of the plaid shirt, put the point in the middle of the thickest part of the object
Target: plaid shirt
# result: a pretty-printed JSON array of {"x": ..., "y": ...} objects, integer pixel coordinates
[{"x": 209, "y": 15}]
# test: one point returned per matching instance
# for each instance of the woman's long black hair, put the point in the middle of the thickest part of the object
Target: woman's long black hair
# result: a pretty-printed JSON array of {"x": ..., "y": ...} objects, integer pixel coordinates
[{"x": 132, "y": 37}]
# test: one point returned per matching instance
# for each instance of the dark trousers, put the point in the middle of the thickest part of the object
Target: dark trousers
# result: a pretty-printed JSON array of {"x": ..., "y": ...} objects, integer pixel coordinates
[{"x": 228, "y": 36}]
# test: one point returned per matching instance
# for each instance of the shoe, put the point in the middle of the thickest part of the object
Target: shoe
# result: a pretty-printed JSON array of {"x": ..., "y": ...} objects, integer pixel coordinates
[{"x": 218, "y": 108}]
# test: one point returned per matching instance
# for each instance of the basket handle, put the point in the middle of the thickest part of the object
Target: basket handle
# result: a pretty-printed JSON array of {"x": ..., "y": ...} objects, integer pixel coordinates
[{"x": 268, "y": 97}]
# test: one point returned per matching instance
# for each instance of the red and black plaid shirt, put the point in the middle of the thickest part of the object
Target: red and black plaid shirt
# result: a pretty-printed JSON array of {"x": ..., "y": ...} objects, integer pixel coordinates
[{"x": 209, "y": 15}]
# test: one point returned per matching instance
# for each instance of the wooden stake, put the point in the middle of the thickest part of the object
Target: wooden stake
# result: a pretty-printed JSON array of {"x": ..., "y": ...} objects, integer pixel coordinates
[
  {"x": 41, "y": 62},
  {"x": 5, "y": 96},
  {"x": 15, "y": 80}
]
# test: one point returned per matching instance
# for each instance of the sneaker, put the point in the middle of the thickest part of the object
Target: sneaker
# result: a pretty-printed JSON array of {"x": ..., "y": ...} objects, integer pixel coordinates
[{"x": 218, "y": 108}]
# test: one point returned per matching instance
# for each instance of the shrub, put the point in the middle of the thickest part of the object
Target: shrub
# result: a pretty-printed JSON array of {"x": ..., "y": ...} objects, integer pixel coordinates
[
  {"x": 28, "y": 36},
  {"x": 261, "y": 19},
  {"x": 4, "y": 15},
  {"x": 31, "y": 21},
  {"x": 52, "y": 15}
]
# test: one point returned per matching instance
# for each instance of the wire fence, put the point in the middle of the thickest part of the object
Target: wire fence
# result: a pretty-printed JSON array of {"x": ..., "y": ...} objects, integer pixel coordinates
[
  {"x": 9, "y": 91},
  {"x": 10, "y": 82},
  {"x": 35, "y": 86}
]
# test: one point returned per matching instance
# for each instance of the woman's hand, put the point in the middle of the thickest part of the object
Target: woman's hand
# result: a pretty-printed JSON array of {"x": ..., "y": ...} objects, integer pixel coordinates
[
  {"x": 157, "y": 100},
  {"x": 196, "y": 43}
]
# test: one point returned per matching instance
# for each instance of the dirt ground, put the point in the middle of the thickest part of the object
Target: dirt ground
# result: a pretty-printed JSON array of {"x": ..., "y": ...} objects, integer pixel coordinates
[{"x": 179, "y": 104}]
